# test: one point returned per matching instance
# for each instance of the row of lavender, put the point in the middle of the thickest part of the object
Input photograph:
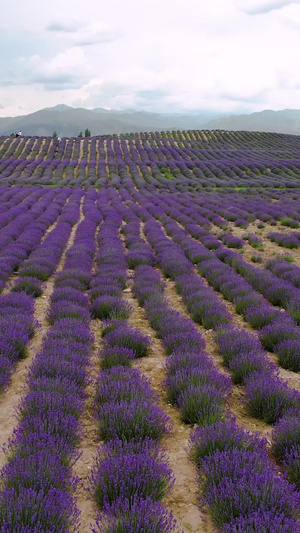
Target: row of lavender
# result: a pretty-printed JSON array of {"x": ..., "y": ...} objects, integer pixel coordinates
[
  {"x": 268, "y": 397},
  {"x": 17, "y": 322},
  {"x": 245, "y": 305},
  {"x": 199, "y": 391},
  {"x": 37, "y": 480},
  {"x": 198, "y": 159},
  {"x": 278, "y": 293},
  {"x": 139, "y": 252},
  {"x": 194, "y": 385},
  {"x": 131, "y": 474},
  {"x": 240, "y": 208}
]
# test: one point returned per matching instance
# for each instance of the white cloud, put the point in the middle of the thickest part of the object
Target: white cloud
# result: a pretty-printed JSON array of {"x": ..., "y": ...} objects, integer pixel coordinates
[
  {"x": 68, "y": 68},
  {"x": 257, "y": 7},
  {"x": 81, "y": 34},
  {"x": 157, "y": 55}
]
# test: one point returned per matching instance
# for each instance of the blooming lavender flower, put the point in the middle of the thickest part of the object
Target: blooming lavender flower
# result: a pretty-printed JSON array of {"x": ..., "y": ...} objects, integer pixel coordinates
[
  {"x": 126, "y": 337},
  {"x": 263, "y": 522},
  {"x": 27, "y": 510},
  {"x": 261, "y": 315},
  {"x": 110, "y": 307},
  {"x": 202, "y": 405},
  {"x": 122, "y": 384},
  {"x": 288, "y": 353},
  {"x": 67, "y": 309},
  {"x": 241, "y": 483},
  {"x": 242, "y": 365},
  {"x": 184, "y": 377},
  {"x": 223, "y": 435},
  {"x": 136, "y": 419},
  {"x": 268, "y": 398},
  {"x": 127, "y": 476},
  {"x": 135, "y": 516},
  {"x": 115, "y": 356},
  {"x": 277, "y": 332},
  {"x": 29, "y": 285},
  {"x": 232, "y": 342}
]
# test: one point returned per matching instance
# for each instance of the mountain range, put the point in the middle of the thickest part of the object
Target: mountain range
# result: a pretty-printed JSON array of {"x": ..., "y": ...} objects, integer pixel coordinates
[{"x": 68, "y": 121}]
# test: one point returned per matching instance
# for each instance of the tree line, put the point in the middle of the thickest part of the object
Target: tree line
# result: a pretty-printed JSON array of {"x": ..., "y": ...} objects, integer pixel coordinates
[{"x": 87, "y": 133}]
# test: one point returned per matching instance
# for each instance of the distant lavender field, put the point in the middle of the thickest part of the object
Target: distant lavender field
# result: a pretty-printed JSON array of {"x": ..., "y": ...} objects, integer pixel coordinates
[{"x": 110, "y": 245}]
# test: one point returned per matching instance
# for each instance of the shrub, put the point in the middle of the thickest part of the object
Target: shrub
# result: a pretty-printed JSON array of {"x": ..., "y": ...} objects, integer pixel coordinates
[
  {"x": 134, "y": 517},
  {"x": 136, "y": 419},
  {"x": 289, "y": 354},
  {"x": 115, "y": 356},
  {"x": 268, "y": 398},
  {"x": 223, "y": 435},
  {"x": 110, "y": 307},
  {"x": 276, "y": 332},
  {"x": 129, "y": 476},
  {"x": 126, "y": 337},
  {"x": 202, "y": 405}
]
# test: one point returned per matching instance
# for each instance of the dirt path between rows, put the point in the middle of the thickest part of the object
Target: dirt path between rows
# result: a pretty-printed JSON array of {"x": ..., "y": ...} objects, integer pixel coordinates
[{"x": 89, "y": 443}]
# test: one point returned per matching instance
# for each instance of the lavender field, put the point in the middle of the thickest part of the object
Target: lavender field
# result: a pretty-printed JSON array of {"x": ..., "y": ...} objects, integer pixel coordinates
[{"x": 150, "y": 333}]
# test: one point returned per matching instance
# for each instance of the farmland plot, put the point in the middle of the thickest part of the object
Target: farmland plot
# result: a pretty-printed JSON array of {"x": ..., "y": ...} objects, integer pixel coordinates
[{"x": 150, "y": 333}]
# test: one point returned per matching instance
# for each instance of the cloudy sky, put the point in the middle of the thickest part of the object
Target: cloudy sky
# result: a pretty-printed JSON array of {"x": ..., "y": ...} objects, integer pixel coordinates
[{"x": 158, "y": 55}]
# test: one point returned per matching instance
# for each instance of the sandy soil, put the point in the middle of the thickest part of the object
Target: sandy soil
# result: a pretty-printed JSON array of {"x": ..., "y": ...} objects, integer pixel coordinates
[
  {"x": 270, "y": 249},
  {"x": 89, "y": 443}
]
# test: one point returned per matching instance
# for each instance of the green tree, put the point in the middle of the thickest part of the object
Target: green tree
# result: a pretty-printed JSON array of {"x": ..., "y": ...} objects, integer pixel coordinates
[
  {"x": 54, "y": 134},
  {"x": 80, "y": 134},
  {"x": 87, "y": 133}
]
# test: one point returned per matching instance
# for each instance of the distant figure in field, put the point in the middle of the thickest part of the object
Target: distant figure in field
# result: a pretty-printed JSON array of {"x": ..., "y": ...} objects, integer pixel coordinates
[{"x": 18, "y": 133}]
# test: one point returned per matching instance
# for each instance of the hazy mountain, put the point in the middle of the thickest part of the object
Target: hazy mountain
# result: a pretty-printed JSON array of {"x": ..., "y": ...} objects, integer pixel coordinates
[
  {"x": 285, "y": 121},
  {"x": 68, "y": 121}
]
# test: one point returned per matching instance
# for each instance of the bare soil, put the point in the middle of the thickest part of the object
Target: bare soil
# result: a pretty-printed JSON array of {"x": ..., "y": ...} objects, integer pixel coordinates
[
  {"x": 90, "y": 443},
  {"x": 270, "y": 249}
]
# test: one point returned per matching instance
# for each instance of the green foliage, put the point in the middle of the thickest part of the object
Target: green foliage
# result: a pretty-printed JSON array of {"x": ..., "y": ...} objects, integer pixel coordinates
[{"x": 87, "y": 133}]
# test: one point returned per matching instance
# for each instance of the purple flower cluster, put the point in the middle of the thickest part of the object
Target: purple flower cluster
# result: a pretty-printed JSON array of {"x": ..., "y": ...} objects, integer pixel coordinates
[
  {"x": 20, "y": 236},
  {"x": 16, "y": 327},
  {"x": 230, "y": 240},
  {"x": 43, "y": 261},
  {"x": 285, "y": 270},
  {"x": 253, "y": 240},
  {"x": 139, "y": 252},
  {"x": 110, "y": 278},
  {"x": 282, "y": 239},
  {"x": 126, "y": 407},
  {"x": 242, "y": 487}
]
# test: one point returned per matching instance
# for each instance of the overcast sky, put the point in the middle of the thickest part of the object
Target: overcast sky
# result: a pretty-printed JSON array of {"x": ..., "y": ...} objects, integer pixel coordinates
[{"x": 158, "y": 55}]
